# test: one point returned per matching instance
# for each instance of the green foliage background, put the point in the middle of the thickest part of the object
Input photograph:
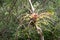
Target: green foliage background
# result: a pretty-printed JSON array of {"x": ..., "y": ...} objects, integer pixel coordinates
[{"x": 11, "y": 12}]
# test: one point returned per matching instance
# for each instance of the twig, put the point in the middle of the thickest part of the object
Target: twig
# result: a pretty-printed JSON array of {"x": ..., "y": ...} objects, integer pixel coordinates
[
  {"x": 39, "y": 30},
  {"x": 33, "y": 9}
]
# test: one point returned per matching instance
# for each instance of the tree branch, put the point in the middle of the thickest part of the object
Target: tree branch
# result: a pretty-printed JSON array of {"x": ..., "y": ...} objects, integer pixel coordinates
[
  {"x": 31, "y": 6},
  {"x": 39, "y": 30}
]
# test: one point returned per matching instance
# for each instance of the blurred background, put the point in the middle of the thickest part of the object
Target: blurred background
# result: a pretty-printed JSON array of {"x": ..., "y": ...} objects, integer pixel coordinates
[{"x": 11, "y": 12}]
